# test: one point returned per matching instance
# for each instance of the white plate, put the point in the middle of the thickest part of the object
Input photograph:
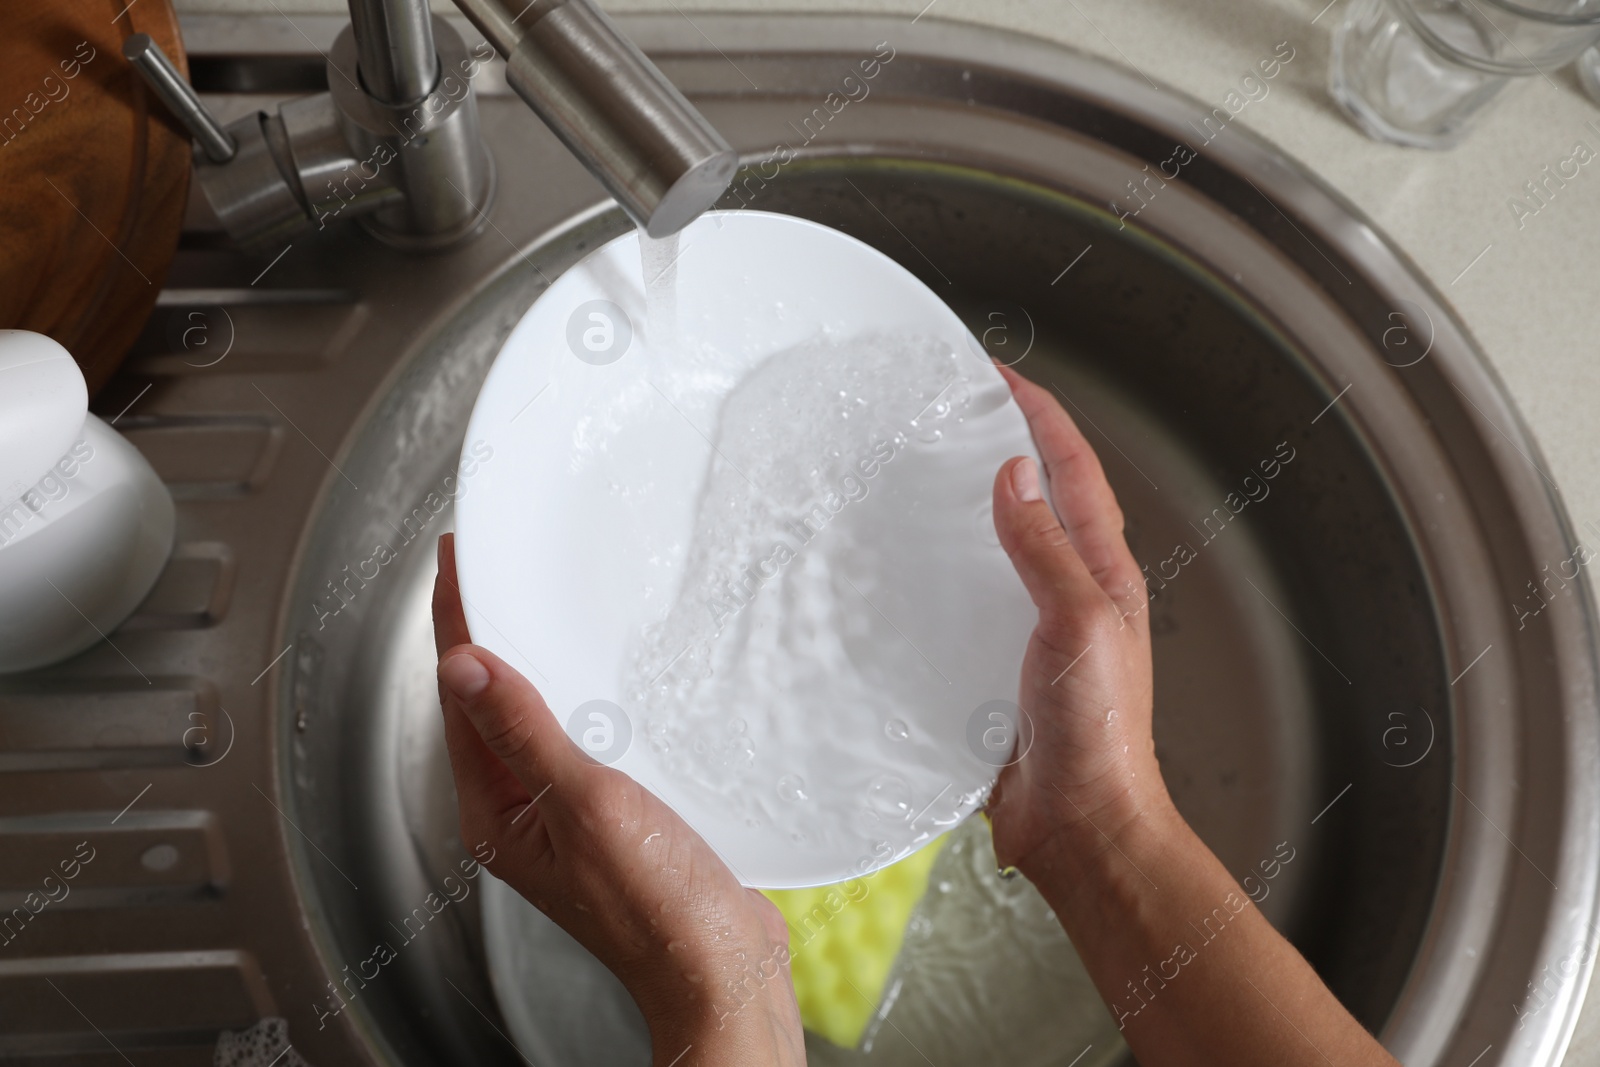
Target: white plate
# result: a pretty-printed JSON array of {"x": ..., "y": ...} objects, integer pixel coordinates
[
  {"x": 563, "y": 1008},
  {"x": 849, "y": 714}
]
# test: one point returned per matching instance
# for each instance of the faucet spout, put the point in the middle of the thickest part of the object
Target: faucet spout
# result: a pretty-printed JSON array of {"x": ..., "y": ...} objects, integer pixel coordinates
[
  {"x": 651, "y": 149},
  {"x": 386, "y": 143}
]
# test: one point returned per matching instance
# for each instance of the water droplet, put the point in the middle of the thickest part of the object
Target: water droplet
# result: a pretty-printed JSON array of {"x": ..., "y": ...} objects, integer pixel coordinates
[
  {"x": 792, "y": 788},
  {"x": 889, "y": 798},
  {"x": 737, "y": 726},
  {"x": 1111, "y": 716},
  {"x": 897, "y": 730}
]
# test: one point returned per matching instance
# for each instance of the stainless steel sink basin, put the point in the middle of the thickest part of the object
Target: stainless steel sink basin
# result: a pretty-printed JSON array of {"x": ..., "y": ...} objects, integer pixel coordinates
[{"x": 1337, "y": 668}]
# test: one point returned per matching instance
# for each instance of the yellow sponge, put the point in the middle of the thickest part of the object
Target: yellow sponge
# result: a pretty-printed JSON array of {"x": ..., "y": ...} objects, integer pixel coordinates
[{"x": 843, "y": 941}]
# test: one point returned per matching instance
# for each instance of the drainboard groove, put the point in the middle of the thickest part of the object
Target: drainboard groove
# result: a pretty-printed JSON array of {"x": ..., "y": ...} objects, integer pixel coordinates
[
  {"x": 58, "y": 1004},
  {"x": 207, "y": 457},
  {"x": 105, "y": 724},
  {"x": 93, "y": 859}
]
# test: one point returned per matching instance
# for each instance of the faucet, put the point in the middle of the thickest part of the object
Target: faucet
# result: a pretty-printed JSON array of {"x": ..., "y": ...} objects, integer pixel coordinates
[{"x": 394, "y": 142}]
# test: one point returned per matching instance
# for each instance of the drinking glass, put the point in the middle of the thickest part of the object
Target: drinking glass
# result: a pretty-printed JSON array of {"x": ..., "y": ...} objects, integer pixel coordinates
[
  {"x": 1589, "y": 73},
  {"x": 1416, "y": 72}
]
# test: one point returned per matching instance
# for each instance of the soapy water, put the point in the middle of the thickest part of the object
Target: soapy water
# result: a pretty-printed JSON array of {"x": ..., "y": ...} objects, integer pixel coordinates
[
  {"x": 775, "y": 686},
  {"x": 266, "y": 1044}
]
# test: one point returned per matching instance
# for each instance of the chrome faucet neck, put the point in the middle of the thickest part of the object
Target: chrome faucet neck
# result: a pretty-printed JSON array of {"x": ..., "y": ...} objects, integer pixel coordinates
[
  {"x": 394, "y": 45},
  {"x": 388, "y": 144}
]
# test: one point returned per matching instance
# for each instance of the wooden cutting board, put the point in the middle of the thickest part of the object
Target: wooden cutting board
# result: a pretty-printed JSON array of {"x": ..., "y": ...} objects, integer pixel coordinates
[{"x": 95, "y": 175}]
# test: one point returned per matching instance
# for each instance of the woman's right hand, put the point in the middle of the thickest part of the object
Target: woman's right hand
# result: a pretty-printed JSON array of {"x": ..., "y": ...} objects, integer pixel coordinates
[{"x": 1191, "y": 970}]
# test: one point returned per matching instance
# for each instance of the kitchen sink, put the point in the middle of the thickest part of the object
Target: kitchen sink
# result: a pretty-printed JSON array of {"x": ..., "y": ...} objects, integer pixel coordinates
[{"x": 1338, "y": 509}]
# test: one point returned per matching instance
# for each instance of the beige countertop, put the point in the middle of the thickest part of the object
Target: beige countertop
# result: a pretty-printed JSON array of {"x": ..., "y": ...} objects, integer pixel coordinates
[{"x": 1529, "y": 292}]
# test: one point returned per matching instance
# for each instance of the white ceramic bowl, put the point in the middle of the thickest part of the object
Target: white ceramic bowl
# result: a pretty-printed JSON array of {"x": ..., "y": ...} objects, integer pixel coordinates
[{"x": 841, "y": 712}]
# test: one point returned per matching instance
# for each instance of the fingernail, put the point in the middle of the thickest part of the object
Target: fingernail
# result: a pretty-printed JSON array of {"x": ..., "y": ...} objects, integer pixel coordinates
[
  {"x": 1025, "y": 481},
  {"x": 464, "y": 675}
]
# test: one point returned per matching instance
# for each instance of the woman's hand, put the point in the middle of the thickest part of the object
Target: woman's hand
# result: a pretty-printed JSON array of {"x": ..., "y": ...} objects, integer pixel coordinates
[
  {"x": 705, "y": 959},
  {"x": 1089, "y": 769},
  {"x": 1192, "y": 972}
]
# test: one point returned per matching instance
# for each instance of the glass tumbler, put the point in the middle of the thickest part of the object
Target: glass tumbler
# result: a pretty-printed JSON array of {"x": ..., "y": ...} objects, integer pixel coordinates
[
  {"x": 1416, "y": 72},
  {"x": 1589, "y": 73}
]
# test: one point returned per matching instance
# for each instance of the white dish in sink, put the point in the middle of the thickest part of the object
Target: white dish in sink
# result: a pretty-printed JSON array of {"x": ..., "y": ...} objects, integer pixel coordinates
[{"x": 752, "y": 562}]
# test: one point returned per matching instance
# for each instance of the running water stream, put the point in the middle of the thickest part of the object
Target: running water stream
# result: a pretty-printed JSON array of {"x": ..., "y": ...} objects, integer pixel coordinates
[{"x": 658, "y": 260}]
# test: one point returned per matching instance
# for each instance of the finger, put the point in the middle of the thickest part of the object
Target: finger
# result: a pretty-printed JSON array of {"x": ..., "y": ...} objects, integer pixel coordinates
[
  {"x": 484, "y": 785},
  {"x": 449, "y": 620},
  {"x": 1056, "y": 578},
  {"x": 513, "y": 721},
  {"x": 1078, "y": 485},
  {"x": 487, "y": 791}
]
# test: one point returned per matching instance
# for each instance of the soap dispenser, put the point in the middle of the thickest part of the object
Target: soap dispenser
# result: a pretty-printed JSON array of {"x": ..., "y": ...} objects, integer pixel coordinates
[{"x": 86, "y": 525}]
